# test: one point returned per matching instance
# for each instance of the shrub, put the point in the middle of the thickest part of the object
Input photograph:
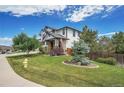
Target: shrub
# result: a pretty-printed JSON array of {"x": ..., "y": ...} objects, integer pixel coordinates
[
  {"x": 109, "y": 60},
  {"x": 85, "y": 61},
  {"x": 56, "y": 51},
  {"x": 41, "y": 50}
]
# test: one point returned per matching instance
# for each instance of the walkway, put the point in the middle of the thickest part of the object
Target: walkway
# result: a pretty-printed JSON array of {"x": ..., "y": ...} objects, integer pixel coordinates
[{"x": 8, "y": 78}]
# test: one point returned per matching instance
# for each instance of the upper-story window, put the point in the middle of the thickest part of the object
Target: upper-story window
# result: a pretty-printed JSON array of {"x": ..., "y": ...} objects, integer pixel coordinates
[
  {"x": 53, "y": 31},
  {"x": 48, "y": 35},
  {"x": 73, "y": 33},
  {"x": 63, "y": 32}
]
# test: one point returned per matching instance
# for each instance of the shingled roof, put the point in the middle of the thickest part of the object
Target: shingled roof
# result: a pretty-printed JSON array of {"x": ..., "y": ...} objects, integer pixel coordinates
[
  {"x": 61, "y": 28},
  {"x": 50, "y": 31},
  {"x": 56, "y": 35}
]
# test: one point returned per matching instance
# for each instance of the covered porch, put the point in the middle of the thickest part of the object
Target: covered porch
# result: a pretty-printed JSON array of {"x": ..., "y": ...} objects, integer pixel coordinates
[{"x": 56, "y": 46}]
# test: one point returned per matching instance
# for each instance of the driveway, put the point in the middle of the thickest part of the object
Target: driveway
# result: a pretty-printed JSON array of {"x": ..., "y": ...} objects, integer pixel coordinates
[{"x": 8, "y": 78}]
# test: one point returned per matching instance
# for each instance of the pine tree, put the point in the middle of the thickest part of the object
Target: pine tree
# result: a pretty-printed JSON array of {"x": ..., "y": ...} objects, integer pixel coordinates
[
  {"x": 90, "y": 37},
  {"x": 80, "y": 49}
]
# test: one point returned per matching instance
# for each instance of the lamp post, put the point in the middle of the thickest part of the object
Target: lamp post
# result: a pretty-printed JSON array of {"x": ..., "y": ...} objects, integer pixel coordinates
[{"x": 25, "y": 63}]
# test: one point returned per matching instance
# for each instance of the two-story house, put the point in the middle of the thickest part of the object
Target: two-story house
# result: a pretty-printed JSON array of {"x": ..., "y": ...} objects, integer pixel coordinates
[{"x": 62, "y": 37}]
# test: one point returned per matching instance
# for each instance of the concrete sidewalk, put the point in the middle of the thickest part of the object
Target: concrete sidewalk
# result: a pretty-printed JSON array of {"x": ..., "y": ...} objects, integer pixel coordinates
[{"x": 8, "y": 78}]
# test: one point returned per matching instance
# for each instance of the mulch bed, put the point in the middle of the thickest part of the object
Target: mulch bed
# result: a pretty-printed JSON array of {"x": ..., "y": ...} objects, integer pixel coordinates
[{"x": 91, "y": 65}]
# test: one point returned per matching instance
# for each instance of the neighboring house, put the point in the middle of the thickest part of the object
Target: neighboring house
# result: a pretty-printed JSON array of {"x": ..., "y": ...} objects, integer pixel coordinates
[
  {"x": 5, "y": 49},
  {"x": 62, "y": 38}
]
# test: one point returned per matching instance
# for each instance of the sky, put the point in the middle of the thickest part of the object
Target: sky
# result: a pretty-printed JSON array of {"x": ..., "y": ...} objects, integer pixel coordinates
[{"x": 106, "y": 19}]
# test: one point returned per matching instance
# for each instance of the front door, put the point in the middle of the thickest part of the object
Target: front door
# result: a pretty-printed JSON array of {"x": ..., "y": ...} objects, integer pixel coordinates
[{"x": 51, "y": 43}]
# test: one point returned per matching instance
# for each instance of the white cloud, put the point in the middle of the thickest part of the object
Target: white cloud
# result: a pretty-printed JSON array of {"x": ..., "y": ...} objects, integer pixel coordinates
[
  {"x": 73, "y": 13},
  {"x": 107, "y": 34},
  {"x": 22, "y": 29},
  {"x": 109, "y": 9},
  {"x": 5, "y": 41},
  {"x": 104, "y": 15},
  {"x": 86, "y": 11},
  {"x": 31, "y": 10}
]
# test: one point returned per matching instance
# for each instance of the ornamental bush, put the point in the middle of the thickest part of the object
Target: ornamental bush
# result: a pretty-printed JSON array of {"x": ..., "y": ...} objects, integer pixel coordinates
[
  {"x": 109, "y": 60},
  {"x": 41, "y": 50},
  {"x": 80, "y": 49},
  {"x": 56, "y": 51}
]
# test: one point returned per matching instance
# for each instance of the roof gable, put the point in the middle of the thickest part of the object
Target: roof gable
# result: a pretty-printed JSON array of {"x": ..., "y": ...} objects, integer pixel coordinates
[
  {"x": 68, "y": 28},
  {"x": 54, "y": 29},
  {"x": 46, "y": 35}
]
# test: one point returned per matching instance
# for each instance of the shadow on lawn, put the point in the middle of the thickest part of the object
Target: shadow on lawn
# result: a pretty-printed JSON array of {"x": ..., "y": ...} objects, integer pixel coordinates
[{"x": 24, "y": 56}]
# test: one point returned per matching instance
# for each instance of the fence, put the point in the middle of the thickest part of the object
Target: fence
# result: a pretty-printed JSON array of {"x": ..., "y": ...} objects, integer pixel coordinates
[{"x": 118, "y": 57}]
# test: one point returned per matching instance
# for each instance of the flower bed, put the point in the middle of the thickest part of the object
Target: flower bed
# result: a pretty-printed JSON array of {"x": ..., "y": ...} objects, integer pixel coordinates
[{"x": 77, "y": 64}]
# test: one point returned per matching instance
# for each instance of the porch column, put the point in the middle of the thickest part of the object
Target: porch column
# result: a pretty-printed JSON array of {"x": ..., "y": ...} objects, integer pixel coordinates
[
  {"x": 56, "y": 43},
  {"x": 61, "y": 43},
  {"x": 45, "y": 44},
  {"x": 46, "y": 47}
]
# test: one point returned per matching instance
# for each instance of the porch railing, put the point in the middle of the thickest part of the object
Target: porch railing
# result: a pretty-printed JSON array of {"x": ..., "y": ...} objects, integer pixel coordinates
[{"x": 56, "y": 51}]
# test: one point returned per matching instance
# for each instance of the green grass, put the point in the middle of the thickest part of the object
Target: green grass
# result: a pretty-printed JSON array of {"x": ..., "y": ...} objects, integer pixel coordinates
[{"x": 50, "y": 71}]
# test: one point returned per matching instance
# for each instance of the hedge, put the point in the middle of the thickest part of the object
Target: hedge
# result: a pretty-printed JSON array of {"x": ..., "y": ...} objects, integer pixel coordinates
[{"x": 109, "y": 60}]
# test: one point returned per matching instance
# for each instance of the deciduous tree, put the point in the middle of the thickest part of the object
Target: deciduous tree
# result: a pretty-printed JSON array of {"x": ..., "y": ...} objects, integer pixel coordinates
[{"x": 24, "y": 43}]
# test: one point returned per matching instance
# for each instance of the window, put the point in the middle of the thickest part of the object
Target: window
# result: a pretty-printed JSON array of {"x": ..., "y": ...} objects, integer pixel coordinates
[
  {"x": 73, "y": 33},
  {"x": 53, "y": 31},
  {"x": 63, "y": 32},
  {"x": 48, "y": 35}
]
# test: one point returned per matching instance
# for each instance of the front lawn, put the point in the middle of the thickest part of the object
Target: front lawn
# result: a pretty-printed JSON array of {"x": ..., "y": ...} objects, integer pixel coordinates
[{"x": 50, "y": 71}]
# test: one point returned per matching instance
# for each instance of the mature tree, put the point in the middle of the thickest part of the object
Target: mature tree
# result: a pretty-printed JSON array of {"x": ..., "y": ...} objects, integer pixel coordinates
[
  {"x": 31, "y": 44},
  {"x": 118, "y": 41},
  {"x": 80, "y": 49},
  {"x": 105, "y": 44},
  {"x": 19, "y": 41},
  {"x": 24, "y": 43},
  {"x": 90, "y": 37}
]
